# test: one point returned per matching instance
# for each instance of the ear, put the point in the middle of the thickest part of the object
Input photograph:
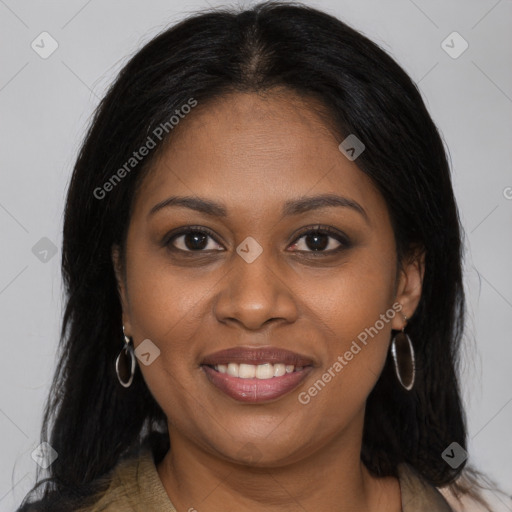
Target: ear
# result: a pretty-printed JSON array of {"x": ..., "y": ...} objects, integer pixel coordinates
[
  {"x": 121, "y": 286},
  {"x": 410, "y": 285}
]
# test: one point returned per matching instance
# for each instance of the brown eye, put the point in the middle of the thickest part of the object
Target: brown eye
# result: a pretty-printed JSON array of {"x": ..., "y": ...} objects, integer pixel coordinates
[
  {"x": 193, "y": 240},
  {"x": 321, "y": 240}
]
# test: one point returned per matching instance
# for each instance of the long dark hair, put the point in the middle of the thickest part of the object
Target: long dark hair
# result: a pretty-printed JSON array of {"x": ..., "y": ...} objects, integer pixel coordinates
[{"x": 90, "y": 420}]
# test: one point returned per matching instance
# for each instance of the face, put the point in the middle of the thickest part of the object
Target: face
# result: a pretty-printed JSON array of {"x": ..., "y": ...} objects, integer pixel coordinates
[{"x": 266, "y": 266}]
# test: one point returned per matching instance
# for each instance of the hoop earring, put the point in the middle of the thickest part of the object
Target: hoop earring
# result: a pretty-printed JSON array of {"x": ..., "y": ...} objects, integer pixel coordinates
[
  {"x": 402, "y": 351},
  {"x": 128, "y": 351}
]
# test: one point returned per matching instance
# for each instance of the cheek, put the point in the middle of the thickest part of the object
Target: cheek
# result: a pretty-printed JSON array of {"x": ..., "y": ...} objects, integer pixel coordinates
[
  {"x": 353, "y": 296},
  {"x": 164, "y": 301},
  {"x": 354, "y": 310},
  {"x": 165, "y": 308}
]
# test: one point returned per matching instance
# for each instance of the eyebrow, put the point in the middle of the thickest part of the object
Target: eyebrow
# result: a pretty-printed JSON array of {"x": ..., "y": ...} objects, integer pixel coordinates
[{"x": 292, "y": 207}]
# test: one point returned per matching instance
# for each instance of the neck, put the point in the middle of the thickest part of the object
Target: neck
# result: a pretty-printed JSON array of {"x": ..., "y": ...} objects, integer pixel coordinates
[{"x": 330, "y": 478}]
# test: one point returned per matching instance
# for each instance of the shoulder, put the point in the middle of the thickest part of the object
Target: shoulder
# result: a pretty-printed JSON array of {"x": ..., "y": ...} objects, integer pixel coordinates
[
  {"x": 135, "y": 486},
  {"x": 120, "y": 493},
  {"x": 417, "y": 494},
  {"x": 112, "y": 492},
  {"x": 420, "y": 496},
  {"x": 466, "y": 503}
]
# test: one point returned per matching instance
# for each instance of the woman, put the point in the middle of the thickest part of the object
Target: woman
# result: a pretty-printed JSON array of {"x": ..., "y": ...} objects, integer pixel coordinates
[{"x": 262, "y": 257}]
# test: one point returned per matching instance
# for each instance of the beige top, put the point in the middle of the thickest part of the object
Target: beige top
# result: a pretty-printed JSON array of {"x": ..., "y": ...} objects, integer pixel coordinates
[{"x": 136, "y": 487}]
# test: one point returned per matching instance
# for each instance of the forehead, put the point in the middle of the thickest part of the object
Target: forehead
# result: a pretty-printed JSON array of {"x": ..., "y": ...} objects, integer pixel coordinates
[{"x": 252, "y": 152}]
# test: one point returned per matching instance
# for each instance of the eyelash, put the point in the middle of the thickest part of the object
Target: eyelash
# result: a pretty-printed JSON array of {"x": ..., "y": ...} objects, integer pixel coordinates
[{"x": 317, "y": 229}]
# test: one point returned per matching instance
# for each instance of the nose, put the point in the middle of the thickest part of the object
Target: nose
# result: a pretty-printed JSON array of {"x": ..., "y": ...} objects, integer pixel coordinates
[{"x": 254, "y": 294}]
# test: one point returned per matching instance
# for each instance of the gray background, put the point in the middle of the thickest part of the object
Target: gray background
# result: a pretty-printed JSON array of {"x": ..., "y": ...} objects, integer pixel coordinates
[{"x": 45, "y": 105}]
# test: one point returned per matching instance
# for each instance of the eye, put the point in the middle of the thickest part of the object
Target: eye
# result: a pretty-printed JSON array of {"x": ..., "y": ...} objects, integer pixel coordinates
[
  {"x": 321, "y": 240},
  {"x": 316, "y": 239},
  {"x": 192, "y": 239}
]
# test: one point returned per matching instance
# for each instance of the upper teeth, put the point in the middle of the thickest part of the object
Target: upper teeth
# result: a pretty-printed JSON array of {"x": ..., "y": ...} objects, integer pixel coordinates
[{"x": 260, "y": 371}]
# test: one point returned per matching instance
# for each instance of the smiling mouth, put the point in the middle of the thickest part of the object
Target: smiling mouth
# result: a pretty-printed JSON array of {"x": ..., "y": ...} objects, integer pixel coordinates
[
  {"x": 250, "y": 388},
  {"x": 261, "y": 371}
]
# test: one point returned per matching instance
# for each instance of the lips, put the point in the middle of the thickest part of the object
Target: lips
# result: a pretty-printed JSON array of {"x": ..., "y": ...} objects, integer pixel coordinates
[
  {"x": 257, "y": 356},
  {"x": 257, "y": 390}
]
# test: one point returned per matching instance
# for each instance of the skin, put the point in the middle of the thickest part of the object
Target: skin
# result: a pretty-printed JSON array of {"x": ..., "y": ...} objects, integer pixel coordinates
[{"x": 253, "y": 153}]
